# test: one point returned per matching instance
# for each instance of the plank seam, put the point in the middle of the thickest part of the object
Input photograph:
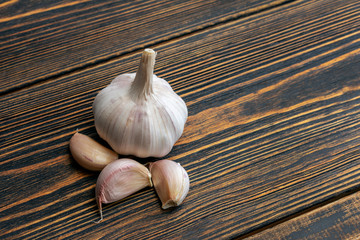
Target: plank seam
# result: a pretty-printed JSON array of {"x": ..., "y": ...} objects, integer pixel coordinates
[
  {"x": 298, "y": 214},
  {"x": 159, "y": 42}
]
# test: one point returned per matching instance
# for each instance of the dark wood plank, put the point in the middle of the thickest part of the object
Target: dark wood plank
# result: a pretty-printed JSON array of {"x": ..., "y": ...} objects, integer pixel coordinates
[
  {"x": 42, "y": 39},
  {"x": 338, "y": 220},
  {"x": 273, "y": 129}
]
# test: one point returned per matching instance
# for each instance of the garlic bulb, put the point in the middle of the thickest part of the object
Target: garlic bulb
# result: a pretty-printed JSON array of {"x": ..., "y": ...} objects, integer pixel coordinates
[
  {"x": 120, "y": 179},
  {"x": 171, "y": 182},
  {"x": 89, "y": 153},
  {"x": 139, "y": 114}
]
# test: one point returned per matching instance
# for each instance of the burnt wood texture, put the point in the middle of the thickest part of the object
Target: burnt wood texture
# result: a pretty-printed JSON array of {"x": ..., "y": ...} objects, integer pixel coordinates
[
  {"x": 42, "y": 39},
  {"x": 338, "y": 220},
  {"x": 273, "y": 92}
]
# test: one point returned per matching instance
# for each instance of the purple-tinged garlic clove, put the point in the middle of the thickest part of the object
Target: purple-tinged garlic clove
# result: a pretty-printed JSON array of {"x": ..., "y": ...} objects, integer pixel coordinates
[
  {"x": 89, "y": 153},
  {"x": 171, "y": 182},
  {"x": 120, "y": 179}
]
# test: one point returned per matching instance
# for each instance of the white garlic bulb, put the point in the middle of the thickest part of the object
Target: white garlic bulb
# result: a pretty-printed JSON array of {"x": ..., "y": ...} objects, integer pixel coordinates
[{"x": 139, "y": 114}]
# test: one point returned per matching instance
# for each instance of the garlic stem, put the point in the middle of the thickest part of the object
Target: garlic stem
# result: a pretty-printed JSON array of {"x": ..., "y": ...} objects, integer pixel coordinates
[{"x": 141, "y": 88}]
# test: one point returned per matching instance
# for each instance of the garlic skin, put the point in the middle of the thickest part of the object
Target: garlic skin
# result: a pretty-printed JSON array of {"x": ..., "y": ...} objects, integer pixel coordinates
[
  {"x": 139, "y": 114},
  {"x": 120, "y": 179},
  {"x": 171, "y": 182},
  {"x": 89, "y": 153}
]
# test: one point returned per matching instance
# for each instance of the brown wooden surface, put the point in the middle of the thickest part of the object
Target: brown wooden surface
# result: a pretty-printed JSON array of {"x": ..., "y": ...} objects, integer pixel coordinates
[
  {"x": 43, "y": 39},
  {"x": 338, "y": 220},
  {"x": 273, "y": 127}
]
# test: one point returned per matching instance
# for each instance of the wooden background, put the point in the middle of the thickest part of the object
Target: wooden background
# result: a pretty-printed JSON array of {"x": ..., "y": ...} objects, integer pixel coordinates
[{"x": 271, "y": 144}]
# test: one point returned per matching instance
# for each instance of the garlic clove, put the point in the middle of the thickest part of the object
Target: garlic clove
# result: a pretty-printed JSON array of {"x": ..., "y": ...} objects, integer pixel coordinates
[
  {"x": 171, "y": 182},
  {"x": 120, "y": 179},
  {"x": 139, "y": 114},
  {"x": 89, "y": 153}
]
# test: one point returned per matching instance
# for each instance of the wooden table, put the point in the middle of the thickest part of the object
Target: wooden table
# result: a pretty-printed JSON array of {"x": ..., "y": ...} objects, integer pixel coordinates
[{"x": 271, "y": 144}]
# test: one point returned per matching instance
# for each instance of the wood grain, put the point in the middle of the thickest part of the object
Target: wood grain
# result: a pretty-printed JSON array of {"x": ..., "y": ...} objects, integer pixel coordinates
[
  {"x": 338, "y": 220},
  {"x": 43, "y": 39},
  {"x": 273, "y": 129}
]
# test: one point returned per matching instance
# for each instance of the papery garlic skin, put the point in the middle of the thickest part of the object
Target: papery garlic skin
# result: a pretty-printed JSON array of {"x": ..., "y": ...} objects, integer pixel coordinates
[
  {"x": 171, "y": 182},
  {"x": 120, "y": 179},
  {"x": 139, "y": 114},
  {"x": 89, "y": 153}
]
